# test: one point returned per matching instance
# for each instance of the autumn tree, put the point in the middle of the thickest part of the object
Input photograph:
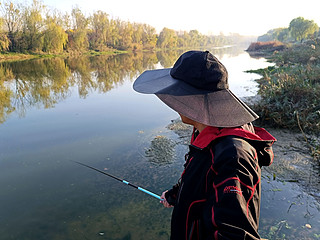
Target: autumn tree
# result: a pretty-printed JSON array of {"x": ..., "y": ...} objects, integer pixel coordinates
[
  {"x": 78, "y": 37},
  {"x": 12, "y": 20},
  {"x": 167, "y": 38},
  {"x": 54, "y": 36},
  {"x": 194, "y": 37},
  {"x": 33, "y": 25},
  {"x": 99, "y": 23},
  {"x": 126, "y": 34},
  {"x": 301, "y": 28},
  {"x": 114, "y": 34},
  {"x": 66, "y": 21},
  {"x": 11, "y": 14},
  {"x": 149, "y": 36},
  {"x": 4, "y": 41},
  {"x": 137, "y": 36},
  {"x": 184, "y": 39}
]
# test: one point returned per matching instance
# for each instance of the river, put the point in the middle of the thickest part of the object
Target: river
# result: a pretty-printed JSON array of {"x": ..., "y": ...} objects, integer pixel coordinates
[{"x": 56, "y": 111}]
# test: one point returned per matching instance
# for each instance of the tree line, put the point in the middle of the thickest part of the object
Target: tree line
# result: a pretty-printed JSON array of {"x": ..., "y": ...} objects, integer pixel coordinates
[
  {"x": 37, "y": 29},
  {"x": 299, "y": 29}
]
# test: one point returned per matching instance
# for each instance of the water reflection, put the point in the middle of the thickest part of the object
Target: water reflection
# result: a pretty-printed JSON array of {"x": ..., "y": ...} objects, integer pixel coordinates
[{"x": 42, "y": 83}]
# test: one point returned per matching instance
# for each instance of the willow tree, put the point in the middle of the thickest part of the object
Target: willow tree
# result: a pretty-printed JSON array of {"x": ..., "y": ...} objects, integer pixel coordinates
[
  {"x": 301, "y": 28},
  {"x": 32, "y": 26},
  {"x": 54, "y": 36}
]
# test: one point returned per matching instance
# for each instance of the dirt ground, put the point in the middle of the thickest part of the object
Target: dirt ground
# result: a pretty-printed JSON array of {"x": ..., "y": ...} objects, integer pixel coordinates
[{"x": 293, "y": 161}]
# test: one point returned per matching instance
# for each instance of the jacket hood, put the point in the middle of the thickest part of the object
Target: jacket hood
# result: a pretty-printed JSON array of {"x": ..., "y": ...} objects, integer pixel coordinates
[{"x": 261, "y": 140}]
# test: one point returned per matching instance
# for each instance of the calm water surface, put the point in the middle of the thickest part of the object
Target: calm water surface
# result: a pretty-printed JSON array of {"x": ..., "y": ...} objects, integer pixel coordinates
[{"x": 55, "y": 111}]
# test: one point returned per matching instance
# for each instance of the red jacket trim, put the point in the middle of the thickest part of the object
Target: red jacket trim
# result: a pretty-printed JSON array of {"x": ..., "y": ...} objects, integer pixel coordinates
[
  {"x": 207, "y": 135},
  {"x": 198, "y": 201}
]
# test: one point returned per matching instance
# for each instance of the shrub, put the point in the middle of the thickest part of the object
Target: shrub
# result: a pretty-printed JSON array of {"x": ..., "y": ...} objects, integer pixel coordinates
[
  {"x": 291, "y": 89},
  {"x": 266, "y": 46}
]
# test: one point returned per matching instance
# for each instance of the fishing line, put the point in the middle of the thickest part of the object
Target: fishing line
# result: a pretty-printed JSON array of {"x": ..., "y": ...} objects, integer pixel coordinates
[{"x": 122, "y": 180}]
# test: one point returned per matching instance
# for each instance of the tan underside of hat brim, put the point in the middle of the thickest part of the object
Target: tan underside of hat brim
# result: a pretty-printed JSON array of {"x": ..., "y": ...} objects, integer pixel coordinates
[{"x": 219, "y": 109}]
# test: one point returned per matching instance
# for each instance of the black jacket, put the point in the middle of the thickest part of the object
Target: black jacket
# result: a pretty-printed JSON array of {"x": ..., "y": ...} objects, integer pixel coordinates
[{"x": 218, "y": 195}]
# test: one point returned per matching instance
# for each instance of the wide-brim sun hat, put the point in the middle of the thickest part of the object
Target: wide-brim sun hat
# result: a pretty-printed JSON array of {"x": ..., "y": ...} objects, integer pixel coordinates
[{"x": 197, "y": 87}]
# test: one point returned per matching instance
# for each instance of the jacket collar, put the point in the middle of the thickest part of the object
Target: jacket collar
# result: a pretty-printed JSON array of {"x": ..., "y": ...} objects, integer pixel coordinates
[{"x": 211, "y": 133}]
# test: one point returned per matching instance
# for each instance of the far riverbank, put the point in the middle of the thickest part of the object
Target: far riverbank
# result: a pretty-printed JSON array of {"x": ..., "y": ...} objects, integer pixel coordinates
[{"x": 10, "y": 56}]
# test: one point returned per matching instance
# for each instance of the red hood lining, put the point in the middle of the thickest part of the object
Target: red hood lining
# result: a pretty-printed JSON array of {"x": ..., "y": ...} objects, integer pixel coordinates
[{"x": 211, "y": 133}]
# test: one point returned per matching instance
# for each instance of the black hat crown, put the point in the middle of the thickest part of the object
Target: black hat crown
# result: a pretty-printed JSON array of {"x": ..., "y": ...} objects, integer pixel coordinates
[{"x": 201, "y": 70}]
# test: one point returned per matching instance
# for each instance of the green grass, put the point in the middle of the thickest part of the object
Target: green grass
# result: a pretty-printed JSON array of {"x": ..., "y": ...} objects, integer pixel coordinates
[{"x": 290, "y": 90}]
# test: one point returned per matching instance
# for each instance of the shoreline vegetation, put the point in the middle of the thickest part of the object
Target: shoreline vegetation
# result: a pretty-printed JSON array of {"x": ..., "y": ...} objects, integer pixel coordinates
[{"x": 289, "y": 90}]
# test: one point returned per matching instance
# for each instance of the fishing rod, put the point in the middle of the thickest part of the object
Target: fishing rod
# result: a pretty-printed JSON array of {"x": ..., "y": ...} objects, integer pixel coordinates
[{"x": 122, "y": 180}]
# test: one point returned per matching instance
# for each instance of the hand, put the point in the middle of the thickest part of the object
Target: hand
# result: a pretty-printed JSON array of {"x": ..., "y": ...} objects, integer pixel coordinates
[{"x": 164, "y": 200}]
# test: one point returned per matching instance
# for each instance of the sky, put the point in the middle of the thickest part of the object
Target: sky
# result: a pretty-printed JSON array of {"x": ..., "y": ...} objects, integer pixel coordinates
[{"x": 246, "y": 17}]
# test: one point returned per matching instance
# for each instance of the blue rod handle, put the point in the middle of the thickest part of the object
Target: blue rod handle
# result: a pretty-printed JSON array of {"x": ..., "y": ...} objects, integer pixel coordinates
[
  {"x": 143, "y": 190},
  {"x": 150, "y": 193}
]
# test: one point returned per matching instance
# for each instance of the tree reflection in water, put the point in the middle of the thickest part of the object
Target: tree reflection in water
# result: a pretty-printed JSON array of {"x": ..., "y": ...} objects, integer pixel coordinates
[{"x": 42, "y": 83}]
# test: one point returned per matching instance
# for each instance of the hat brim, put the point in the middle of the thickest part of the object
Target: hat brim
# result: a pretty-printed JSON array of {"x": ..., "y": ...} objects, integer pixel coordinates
[
  {"x": 160, "y": 81},
  {"x": 220, "y": 108}
]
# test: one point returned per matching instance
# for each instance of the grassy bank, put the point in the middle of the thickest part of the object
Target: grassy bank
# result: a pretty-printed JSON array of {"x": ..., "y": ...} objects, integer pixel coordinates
[
  {"x": 290, "y": 90},
  {"x": 10, "y": 56}
]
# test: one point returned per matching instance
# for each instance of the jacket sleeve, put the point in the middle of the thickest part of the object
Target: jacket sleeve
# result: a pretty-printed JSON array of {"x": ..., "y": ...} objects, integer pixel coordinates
[
  {"x": 232, "y": 210},
  {"x": 171, "y": 195}
]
